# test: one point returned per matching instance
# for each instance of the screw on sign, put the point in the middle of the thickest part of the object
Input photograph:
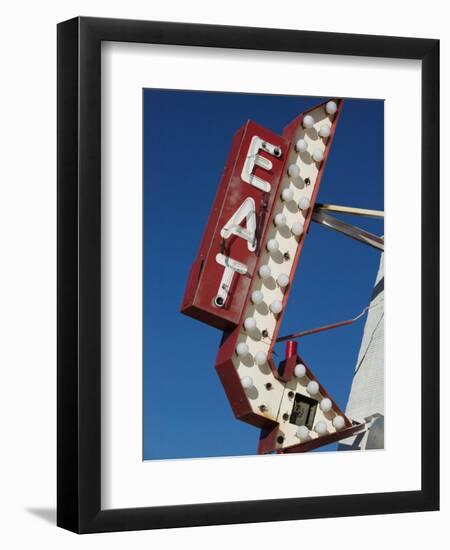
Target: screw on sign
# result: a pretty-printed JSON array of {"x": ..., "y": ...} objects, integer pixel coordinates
[{"x": 241, "y": 279}]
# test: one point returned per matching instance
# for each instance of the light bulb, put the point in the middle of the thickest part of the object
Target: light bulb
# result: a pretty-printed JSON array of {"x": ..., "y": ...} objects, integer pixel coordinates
[
  {"x": 320, "y": 428},
  {"x": 250, "y": 324},
  {"x": 303, "y": 203},
  {"x": 257, "y": 297},
  {"x": 272, "y": 245},
  {"x": 287, "y": 194},
  {"x": 242, "y": 349},
  {"x": 264, "y": 271},
  {"x": 247, "y": 382},
  {"x": 276, "y": 306},
  {"x": 338, "y": 422},
  {"x": 324, "y": 131},
  {"x": 297, "y": 229},
  {"x": 303, "y": 433},
  {"x": 282, "y": 280},
  {"x": 301, "y": 146},
  {"x": 313, "y": 387},
  {"x": 280, "y": 219},
  {"x": 331, "y": 107},
  {"x": 318, "y": 155},
  {"x": 300, "y": 370},
  {"x": 326, "y": 404},
  {"x": 260, "y": 357},
  {"x": 308, "y": 121},
  {"x": 293, "y": 171}
]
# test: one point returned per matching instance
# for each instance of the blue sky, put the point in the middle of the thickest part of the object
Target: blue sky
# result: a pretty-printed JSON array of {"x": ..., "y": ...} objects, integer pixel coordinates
[{"x": 186, "y": 137}]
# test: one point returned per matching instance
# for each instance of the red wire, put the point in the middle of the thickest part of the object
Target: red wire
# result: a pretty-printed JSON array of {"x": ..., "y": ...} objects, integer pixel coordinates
[{"x": 322, "y": 328}]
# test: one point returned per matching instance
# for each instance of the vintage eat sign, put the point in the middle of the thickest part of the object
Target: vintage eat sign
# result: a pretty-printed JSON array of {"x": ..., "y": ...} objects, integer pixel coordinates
[
  {"x": 221, "y": 275},
  {"x": 241, "y": 278}
]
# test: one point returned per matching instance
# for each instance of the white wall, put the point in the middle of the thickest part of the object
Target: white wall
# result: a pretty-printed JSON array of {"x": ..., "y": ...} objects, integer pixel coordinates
[{"x": 28, "y": 268}]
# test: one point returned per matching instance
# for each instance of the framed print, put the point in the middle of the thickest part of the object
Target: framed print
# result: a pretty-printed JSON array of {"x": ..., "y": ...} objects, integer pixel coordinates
[{"x": 235, "y": 342}]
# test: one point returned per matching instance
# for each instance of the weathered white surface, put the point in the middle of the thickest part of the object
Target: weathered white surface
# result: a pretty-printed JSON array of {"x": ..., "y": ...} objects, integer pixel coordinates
[{"x": 367, "y": 391}]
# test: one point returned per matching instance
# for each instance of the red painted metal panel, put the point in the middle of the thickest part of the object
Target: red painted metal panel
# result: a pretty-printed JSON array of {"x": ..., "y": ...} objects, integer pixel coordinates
[
  {"x": 238, "y": 399},
  {"x": 206, "y": 273},
  {"x": 267, "y": 440},
  {"x": 233, "y": 386}
]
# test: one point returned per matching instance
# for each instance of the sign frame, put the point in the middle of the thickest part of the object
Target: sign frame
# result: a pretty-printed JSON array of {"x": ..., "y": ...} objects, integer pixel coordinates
[{"x": 79, "y": 275}]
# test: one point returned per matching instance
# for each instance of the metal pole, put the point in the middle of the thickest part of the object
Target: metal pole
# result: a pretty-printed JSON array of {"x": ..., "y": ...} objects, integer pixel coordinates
[
  {"x": 350, "y": 230},
  {"x": 350, "y": 210}
]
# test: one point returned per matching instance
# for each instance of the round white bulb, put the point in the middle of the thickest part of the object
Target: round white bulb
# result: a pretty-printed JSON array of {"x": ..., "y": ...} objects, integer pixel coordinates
[
  {"x": 326, "y": 405},
  {"x": 257, "y": 297},
  {"x": 242, "y": 349},
  {"x": 320, "y": 428},
  {"x": 272, "y": 245},
  {"x": 264, "y": 271},
  {"x": 280, "y": 219},
  {"x": 297, "y": 229},
  {"x": 301, "y": 146},
  {"x": 313, "y": 387},
  {"x": 331, "y": 107},
  {"x": 247, "y": 382},
  {"x": 250, "y": 324},
  {"x": 338, "y": 422},
  {"x": 260, "y": 357},
  {"x": 308, "y": 121},
  {"x": 324, "y": 131},
  {"x": 318, "y": 155},
  {"x": 293, "y": 171},
  {"x": 282, "y": 280},
  {"x": 287, "y": 194},
  {"x": 304, "y": 203},
  {"x": 276, "y": 306},
  {"x": 303, "y": 433},
  {"x": 300, "y": 370}
]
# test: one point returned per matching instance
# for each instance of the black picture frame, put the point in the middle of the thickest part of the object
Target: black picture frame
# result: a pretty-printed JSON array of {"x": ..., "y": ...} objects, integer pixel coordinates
[{"x": 79, "y": 275}]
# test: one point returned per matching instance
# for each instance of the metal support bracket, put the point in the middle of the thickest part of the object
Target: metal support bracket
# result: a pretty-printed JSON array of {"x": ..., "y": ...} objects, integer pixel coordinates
[
  {"x": 349, "y": 210},
  {"x": 347, "y": 229}
]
